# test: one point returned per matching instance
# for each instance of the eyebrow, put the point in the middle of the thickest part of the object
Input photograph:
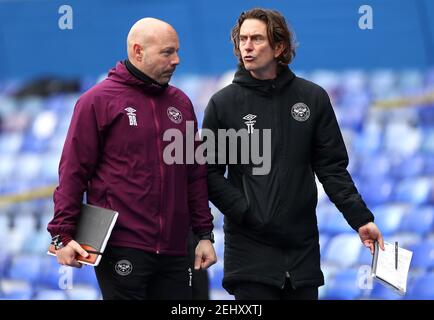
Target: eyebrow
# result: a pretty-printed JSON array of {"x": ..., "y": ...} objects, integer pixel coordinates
[
  {"x": 253, "y": 35},
  {"x": 169, "y": 48}
]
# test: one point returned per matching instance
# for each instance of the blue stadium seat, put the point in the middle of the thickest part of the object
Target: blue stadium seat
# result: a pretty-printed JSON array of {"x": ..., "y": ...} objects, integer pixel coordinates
[
  {"x": 420, "y": 220},
  {"x": 216, "y": 275},
  {"x": 414, "y": 191},
  {"x": 423, "y": 288},
  {"x": 343, "y": 250},
  {"x": 25, "y": 223},
  {"x": 423, "y": 255},
  {"x": 51, "y": 273},
  {"x": 10, "y": 143},
  {"x": 85, "y": 275},
  {"x": 49, "y": 168},
  {"x": 428, "y": 140},
  {"x": 376, "y": 190},
  {"x": 323, "y": 241},
  {"x": 408, "y": 167},
  {"x": 27, "y": 166},
  {"x": 329, "y": 271},
  {"x": 15, "y": 290},
  {"x": 7, "y": 167},
  {"x": 388, "y": 217},
  {"x": 401, "y": 136},
  {"x": 83, "y": 292},
  {"x": 219, "y": 244},
  {"x": 25, "y": 267},
  {"x": 37, "y": 242},
  {"x": 382, "y": 292},
  {"x": 50, "y": 294},
  {"x": 323, "y": 215},
  {"x": 429, "y": 165},
  {"x": 4, "y": 263},
  {"x": 365, "y": 257},
  {"x": 344, "y": 286},
  {"x": 336, "y": 224},
  {"x": 4, "y": 223},
  {"x": 374, "y": 166}
]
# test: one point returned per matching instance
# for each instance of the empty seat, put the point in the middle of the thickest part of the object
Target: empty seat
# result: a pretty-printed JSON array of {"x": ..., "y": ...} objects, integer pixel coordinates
[
  {"x": 53, "y": 275},
  {"x": 343, "y": 249},
  {"x": 388, "y": 217},
  {"x": 414, "y": 191},
  {"x": 83, "y": 292},
  {"x": 420, "y": 220},
  {"x": 25, "y": 267},
  {"x": 344, "y": 286},
  {"x": 423, "y": 255},
  {"x": 382, "y": 292},
  {"x": 376, "y": 190},
  {"x": 215, "y": 274},
  {"x": 423, "y": 288},
  {"x": 37, "y": 242},
  {"x": 16, "y": 290},
  {"x": 50, "y": 294},
  {"x": 85, "y": 275},
  {"x": 336, "y": 224},
  {"x": 408, "y": 167}
]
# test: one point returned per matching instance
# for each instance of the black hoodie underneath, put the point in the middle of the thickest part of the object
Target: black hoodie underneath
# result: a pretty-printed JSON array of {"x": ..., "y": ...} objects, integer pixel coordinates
[{"x": 270, "y": 221}]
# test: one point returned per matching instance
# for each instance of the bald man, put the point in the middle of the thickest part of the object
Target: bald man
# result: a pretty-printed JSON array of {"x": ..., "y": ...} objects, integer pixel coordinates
[{"x": 114, "y": 152}]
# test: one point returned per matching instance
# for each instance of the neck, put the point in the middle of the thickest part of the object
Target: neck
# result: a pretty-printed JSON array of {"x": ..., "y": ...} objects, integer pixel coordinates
[
  {"x": 265, "y": 74},
  {"x": 136, "y": 72}
]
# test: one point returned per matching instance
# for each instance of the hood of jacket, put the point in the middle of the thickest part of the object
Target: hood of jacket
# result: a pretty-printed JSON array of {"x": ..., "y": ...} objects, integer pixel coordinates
[
  {"x": 124, "y": 72},
  {"x": 245, "y": 79}
]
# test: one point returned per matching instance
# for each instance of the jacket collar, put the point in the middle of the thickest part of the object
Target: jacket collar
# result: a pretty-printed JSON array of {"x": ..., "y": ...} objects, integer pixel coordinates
[{"x": 267, "y": 87}]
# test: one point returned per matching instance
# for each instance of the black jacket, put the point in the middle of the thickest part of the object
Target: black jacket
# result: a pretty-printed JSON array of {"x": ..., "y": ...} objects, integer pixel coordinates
[{"x": 270, "y": 222}]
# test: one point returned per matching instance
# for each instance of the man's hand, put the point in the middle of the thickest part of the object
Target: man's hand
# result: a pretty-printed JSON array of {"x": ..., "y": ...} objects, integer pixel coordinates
[
  {"x": 67, "y": 255},
  {"x": 204, "y": 255},
  {"x": 369, "y": 233}
]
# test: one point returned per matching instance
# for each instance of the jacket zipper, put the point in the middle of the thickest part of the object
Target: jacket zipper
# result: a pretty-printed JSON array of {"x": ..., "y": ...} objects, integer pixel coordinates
[
  {"x": 288, "y": 276},
  {"x": 160, "y": 163}
]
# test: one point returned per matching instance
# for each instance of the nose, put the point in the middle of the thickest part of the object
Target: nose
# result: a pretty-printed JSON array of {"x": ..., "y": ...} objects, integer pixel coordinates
[
  {"x": 176, "y": 59},
  {"x": 248, "y": 45}
]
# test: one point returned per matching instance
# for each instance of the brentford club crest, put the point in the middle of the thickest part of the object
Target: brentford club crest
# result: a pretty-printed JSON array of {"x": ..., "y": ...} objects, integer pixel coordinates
[
  {"x": 300, "y": 112},
  {"x": 174, "y": 114}
]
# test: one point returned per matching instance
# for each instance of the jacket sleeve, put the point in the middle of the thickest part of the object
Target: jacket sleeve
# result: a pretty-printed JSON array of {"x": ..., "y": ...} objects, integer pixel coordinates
[
  {"x": 225, "y": 196},
  {"x": 198, "y": 193},
  {"x": 330, "y": 161},
  {"x": 77, "y": 164}
]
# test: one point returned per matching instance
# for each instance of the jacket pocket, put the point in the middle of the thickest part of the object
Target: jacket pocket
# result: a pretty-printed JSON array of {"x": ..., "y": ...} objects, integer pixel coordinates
[{"x": 252, "y": 218}]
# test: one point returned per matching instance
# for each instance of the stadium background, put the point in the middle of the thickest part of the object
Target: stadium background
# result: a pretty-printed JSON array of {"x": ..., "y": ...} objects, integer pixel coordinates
[{"x": 381, "y": 82}]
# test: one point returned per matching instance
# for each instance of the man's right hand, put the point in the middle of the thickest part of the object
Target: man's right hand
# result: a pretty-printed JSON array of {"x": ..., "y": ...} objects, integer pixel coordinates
[{"x": 67, "y": 255}]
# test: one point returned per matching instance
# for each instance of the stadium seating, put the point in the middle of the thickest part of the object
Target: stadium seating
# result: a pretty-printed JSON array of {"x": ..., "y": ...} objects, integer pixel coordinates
[{"x": 391, "y": 160}]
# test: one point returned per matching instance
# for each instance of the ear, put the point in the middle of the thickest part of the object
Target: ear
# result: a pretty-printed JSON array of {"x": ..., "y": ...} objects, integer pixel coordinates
[
  {"x": 278, "y": 49},
  {"x": 138, "y": 52}
]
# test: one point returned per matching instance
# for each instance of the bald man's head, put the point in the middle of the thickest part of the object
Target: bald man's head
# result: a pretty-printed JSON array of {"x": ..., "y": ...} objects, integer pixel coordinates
[{"x": 152, "y": 47}]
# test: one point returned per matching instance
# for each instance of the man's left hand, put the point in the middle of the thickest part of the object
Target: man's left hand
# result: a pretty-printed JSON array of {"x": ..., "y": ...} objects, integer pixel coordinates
[
  {"x": 204, "y": 255},
  {"x": 369, "y": 233}
]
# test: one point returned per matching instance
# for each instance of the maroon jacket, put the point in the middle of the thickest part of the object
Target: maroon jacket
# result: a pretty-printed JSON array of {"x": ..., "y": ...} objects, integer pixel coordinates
[{"x": 114, "y": 151}]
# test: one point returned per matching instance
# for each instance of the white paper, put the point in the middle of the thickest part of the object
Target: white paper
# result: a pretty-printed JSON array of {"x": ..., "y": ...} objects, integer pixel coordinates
[{"x": 385, "y": 266}]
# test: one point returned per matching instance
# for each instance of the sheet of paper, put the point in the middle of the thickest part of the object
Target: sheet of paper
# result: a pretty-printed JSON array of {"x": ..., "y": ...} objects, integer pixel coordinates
[{"x": 386, "y": 266}]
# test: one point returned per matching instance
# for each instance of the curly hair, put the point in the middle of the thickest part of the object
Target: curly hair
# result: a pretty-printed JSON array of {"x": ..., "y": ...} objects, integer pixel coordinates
[{"x": 277, "y": 31}]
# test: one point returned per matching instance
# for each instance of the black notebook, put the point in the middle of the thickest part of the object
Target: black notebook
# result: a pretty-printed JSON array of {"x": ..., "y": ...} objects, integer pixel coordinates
[{"x": 94, "y": 228}]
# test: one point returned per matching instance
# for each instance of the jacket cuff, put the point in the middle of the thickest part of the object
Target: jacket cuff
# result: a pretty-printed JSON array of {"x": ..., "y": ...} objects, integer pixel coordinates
[{"x": 356, "y": 224}]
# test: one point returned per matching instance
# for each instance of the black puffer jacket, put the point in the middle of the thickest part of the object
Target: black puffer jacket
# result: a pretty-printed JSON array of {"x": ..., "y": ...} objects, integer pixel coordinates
[{"x": 270, "y": 221}]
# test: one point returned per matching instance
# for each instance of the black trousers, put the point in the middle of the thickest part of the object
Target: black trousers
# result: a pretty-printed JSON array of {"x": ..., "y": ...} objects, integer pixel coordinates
[
  {"x": 133, "y": 274},
  {"x": 259, "y": 291}
]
